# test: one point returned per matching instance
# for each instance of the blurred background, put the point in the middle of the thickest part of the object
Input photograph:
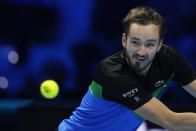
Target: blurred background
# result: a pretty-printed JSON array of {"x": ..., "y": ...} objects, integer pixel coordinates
[{"x": 64, "y": 40}]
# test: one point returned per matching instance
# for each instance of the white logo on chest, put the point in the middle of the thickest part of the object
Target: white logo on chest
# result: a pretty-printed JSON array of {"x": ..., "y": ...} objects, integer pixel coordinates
[{"x": 158, "y": 83}]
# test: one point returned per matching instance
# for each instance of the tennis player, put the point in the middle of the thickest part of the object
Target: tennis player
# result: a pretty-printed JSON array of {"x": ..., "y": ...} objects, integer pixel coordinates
[{"x": 128, "y": 84}]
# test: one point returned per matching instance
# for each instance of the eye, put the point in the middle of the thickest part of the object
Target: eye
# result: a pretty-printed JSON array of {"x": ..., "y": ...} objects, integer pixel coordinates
[
  {"x": 135, "y": 42},
  {"x": 150, "y": 44}
]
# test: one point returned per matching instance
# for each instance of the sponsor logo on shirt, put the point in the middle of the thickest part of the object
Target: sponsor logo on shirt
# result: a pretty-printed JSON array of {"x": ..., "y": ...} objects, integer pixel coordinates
[
  {"x": 131, "y": 93},
  {"x": 136, "y": 98},
  {"x": 158, "y": 83}
]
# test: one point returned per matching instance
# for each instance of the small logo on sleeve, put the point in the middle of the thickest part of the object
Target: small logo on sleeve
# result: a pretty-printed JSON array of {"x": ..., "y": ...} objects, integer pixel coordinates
[
  {"x": 136, "y": 98},
  {"x": 131, "y": 93}
]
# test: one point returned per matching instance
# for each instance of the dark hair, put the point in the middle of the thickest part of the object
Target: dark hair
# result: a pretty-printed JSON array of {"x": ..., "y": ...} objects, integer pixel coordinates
[{"x": 144, "y": 15}]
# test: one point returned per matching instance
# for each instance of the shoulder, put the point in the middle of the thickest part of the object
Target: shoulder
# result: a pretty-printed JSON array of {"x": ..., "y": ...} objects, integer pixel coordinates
[
  {"x": 168, "y": 55},
  {"x": 171, "y": 58},
  {"x": 107, "y": 67},
  {"x": 167, "y": 51},
  {"x": 112, "y": 63},
  {"x": 114, "y": 70}
]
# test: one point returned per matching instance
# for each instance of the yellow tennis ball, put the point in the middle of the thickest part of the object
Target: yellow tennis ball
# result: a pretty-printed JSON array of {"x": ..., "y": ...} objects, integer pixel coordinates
[{"x": 49, "y": 89}]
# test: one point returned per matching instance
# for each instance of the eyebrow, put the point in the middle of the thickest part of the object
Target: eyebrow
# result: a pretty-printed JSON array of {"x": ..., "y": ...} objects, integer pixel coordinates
[
  {"x": 135, "y": 38},
  {"x": 150, "y": 40}
]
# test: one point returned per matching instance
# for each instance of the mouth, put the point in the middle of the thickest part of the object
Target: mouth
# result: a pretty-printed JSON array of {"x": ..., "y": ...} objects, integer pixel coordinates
[{"x": 140, "y": 58}]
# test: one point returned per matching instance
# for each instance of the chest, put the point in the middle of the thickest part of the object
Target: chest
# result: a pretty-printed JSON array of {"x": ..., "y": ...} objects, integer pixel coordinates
[{"x": 157, "y": 79}]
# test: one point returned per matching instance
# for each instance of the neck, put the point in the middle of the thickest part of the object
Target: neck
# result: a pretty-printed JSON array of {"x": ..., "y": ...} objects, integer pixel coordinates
[{"x": 144, "y": 72}]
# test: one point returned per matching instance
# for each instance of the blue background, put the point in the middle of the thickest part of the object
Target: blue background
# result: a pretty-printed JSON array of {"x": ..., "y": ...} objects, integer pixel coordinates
[{"x": 65, "y": 40}]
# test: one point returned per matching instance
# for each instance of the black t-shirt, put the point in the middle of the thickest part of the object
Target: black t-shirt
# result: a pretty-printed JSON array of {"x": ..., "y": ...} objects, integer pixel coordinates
[{"x": 121, "y": 84}]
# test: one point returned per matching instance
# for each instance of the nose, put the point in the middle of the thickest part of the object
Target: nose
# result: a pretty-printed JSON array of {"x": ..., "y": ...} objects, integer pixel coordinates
[{"x": 141, "y": 50}]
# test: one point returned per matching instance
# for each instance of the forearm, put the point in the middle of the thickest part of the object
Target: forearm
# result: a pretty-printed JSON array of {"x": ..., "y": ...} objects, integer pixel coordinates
[
  {"x": 184, "y": 122},
  {"x": 156, "y": 112}
]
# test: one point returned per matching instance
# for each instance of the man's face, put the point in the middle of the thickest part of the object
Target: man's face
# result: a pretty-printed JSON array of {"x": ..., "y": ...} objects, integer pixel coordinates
[{"x": 142, "y": 43}]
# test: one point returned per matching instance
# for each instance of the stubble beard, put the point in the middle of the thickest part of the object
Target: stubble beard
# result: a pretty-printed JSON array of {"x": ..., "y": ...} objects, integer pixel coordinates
[{"x": 137, "y": 66}]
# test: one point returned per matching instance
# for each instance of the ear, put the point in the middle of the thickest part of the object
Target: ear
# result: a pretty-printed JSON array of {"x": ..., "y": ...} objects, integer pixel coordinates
[
  {"x": 124, "y": 40},
  {"x": 160, "y": 45}
]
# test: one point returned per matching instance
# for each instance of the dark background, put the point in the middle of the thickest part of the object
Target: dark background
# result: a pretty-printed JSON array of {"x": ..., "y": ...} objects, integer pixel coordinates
[{"x": 64, "y": 40}]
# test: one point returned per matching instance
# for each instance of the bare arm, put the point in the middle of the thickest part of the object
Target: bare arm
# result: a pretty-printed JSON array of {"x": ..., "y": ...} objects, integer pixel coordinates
[
  {"x": 156, "y": 112},
  {"x": 191, "y": 88}
]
